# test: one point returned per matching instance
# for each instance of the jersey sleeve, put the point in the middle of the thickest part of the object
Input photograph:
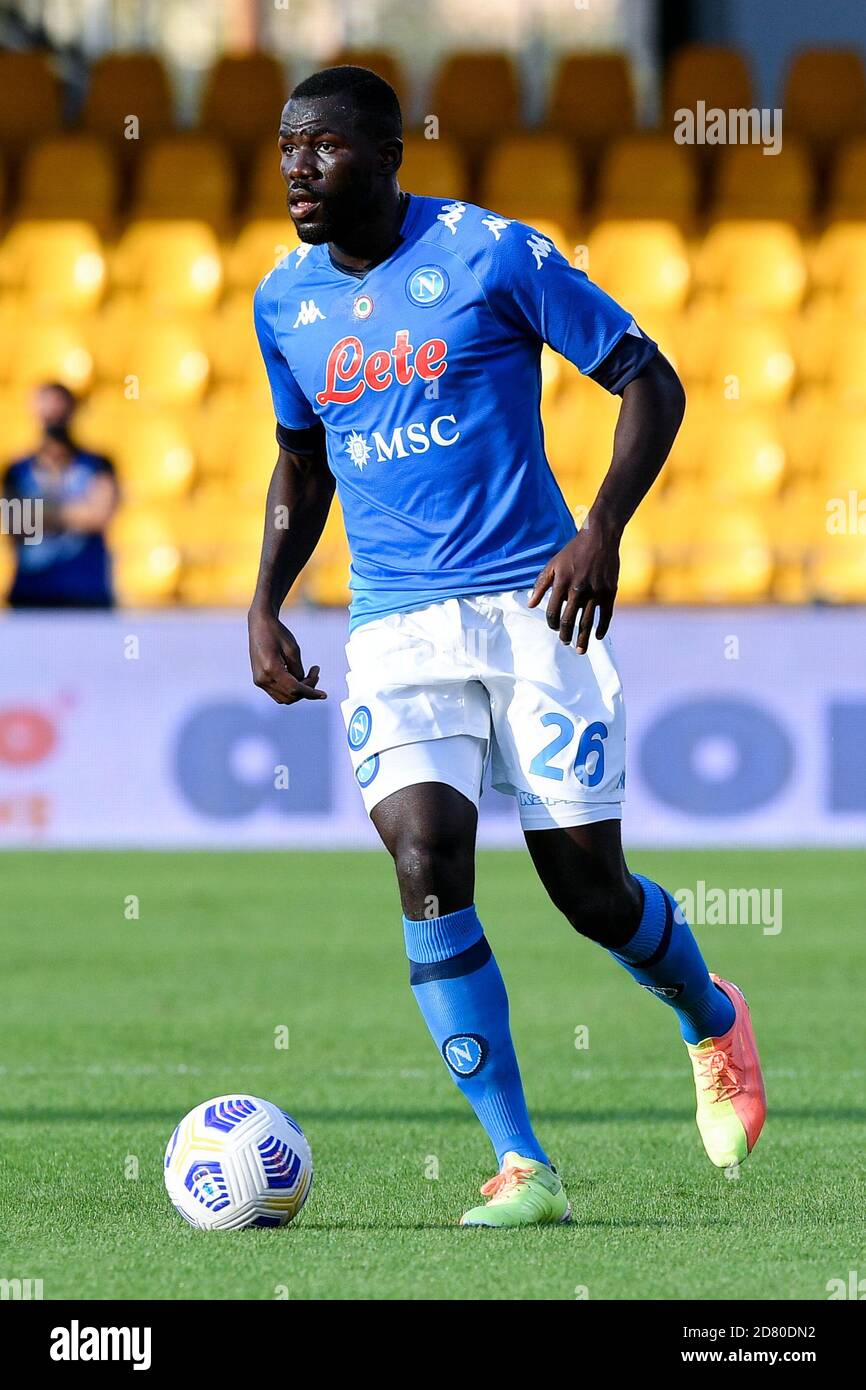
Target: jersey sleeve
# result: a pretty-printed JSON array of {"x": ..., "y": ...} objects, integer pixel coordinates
[
  {"x": 531, "y": 285},
  {"x": 291, "y": 407}
]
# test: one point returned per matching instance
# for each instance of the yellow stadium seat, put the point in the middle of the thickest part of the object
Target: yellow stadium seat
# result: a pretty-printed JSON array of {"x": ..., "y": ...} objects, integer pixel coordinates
[
  {"x": 593, "y": 98},
  {"x": 825, "y": 96},
  {"x": 729, "y": 559},
  {"x": 54, "y": 265},
  {"x": 174, "y": 265},
  {"x": 847, "y": 365},
  {"x": 715, "y": 75},
  {"x": 218, "y": 422},
  {"x": 848, "y": 186},
  {"x": 266, "y": 193},
  {"x": 804, "y": 424},
  {"x": 261, "y": 245},
  {"x": 231, "y": 342},
  {"x": 379, "y": 60},
  {"x": 185, "y": 176},
  {"x": 166, "y": 364},
  {"x": 750, "y": 183},
  {"x": 18, "y": 428},
  {"x": 433, "y": 168},
  {"x": 146, "y": 556},
  {"x": 476, "y": 97},
  {"x": 243, "y": 98},
  {"x": 839, "y": 264},
  {"x": 112, "y": 329},
  {"x": 222, "y": 543},
  {"x": 640, "y": 264},
  {"x": 251, "y": 453},
  {"x": 29, "y": 99},
  {"x": 51, "y": 349},
  {"x": 578, "y": 431},
  {"x": 752, "y": 362},
  {"x": 814, "y": 331},
  {"x": 532, "y": 176},
  {"x": 154, "y": 456},
  {"x": 326, "y": 579},
  {"x": 744, "y": 457},
  {"x": 637, "y": 565},
  {"x": 697, "y": 332},
  {"x": 647, "y": 176},
  {"x": 838, "y": 570},
  {"x": 69, "y": 177},
  {"x": 753, "y": 265},
  {"x": 795, "y": 522},
  {"x": 841, "y": 457},
  {"x": 124, "y": 85}
]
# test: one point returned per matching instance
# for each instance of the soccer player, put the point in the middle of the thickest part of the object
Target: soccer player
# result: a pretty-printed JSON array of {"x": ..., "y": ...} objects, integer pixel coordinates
[{"x": 402, "y": 342}]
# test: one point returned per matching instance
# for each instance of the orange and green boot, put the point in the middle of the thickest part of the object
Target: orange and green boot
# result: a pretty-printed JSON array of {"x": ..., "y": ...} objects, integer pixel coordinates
[
  {"x": 525, "y": 1193},
  {"x": 732, "y": 1105}
]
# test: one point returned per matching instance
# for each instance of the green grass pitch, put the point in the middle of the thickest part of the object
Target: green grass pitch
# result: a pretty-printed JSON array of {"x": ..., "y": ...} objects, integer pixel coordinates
[{"x": 112, "y": 1027}]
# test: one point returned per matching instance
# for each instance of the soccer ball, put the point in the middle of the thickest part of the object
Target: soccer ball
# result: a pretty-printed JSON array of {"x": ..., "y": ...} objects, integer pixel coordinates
[{"x": 238, "y": 1161}]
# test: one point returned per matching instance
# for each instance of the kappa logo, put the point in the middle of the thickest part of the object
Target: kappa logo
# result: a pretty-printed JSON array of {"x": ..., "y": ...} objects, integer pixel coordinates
[
  {"x": 427, "y": 285},
  {"x": 465, "y": 1053},
  {"x": 451, "y": 214},
  {"x": 309, "y": 312},
  {"x": 495, "y": 224},
  {"x": 360, "y": 727},
  {"x": 540, "y": 248}
]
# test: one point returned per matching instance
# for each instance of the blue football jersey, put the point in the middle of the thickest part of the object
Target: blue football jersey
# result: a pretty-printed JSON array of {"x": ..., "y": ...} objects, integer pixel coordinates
[{"x": 425, "y": 372}]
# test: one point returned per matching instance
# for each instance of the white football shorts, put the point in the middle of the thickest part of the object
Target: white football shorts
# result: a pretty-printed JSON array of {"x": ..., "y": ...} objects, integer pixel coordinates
[{"x": 437, "y": 693}]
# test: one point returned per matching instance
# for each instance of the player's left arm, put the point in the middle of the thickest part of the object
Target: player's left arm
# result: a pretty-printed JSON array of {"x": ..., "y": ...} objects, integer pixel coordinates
[
  {"x": 532, "y": 287},
  {"x": 583, "y": 577}
]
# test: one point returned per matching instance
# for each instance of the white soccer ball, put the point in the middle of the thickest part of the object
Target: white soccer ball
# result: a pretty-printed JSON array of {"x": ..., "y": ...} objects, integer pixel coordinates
[{"x": 238, "y": 1161}]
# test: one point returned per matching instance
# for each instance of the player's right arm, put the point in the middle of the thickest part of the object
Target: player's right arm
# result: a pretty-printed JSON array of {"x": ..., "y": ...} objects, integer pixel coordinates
[
  {"x": 298, "y": 502},
  {"x": 299, "y": 499}
]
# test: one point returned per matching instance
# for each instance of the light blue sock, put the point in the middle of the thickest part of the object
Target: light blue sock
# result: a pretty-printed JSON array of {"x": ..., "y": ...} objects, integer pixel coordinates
[
  {"x": 459, "y": 990},
  {"x": 664, "y": 957}
]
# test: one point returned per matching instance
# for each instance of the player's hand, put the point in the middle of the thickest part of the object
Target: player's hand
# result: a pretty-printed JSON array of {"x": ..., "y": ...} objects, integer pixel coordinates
[
  {"x": 582, "y": 579},
  {"x": 275, "y": 658}
]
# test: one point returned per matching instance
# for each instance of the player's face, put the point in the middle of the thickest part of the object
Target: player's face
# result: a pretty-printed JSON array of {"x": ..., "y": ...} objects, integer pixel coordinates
[{"x": 330, "y": 167}]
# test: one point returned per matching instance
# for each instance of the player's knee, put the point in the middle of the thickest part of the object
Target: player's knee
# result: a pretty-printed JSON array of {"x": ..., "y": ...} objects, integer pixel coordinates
[
  {"x": 430, "y": 864},
  {"x": 605, "y": 912}
]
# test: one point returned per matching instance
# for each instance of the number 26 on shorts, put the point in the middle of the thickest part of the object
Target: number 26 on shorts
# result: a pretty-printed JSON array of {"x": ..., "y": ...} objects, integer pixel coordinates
[{"x": 590, "y": 750}]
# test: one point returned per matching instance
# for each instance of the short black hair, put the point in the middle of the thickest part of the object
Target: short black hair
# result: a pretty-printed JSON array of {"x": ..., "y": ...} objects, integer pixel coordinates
[{"x": 374, "y": 99}]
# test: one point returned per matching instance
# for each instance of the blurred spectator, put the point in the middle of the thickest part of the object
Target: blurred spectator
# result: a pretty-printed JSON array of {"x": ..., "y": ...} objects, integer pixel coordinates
[{"x": 64, "y": 562}]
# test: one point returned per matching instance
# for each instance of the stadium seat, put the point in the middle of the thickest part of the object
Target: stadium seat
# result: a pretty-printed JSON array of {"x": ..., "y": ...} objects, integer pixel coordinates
[
  {"x": 847, "y": 199},
  {"x": 261, "y": 244},
  {"x": 847, "y": 365},
  {"x": 185, "y": 176},
  {"x": 176, "y": 265},
  {"x": 69, "y": 177},
  {"x": 146, "y": 556},
  {"x": 326, "y": 580},
  {"x": 379, "y": 60},
  {"x": 29, "y": 99},
  {"x": 50, "y": 348},
  {"x": 532, "y": 176},
  {"x": 578, "y": 431},
  {"x": 243, "y": 97},
  {"x": 647, "y": 176},
  {"x": 814, "y": 331},
  {"x": 838, "y": 570},
  {"x": 154, "y": 456},
  {"x": 825, "y": 96},
  {"x": 18, "y": 430},
  {"x": 251, "y": 453},
  {"x": 264, "y": 197},
  {"x": 123, "y": 85},
  {"x": 841, "y": 457},
  {"x": 697, "y": 333},
  {"x": 724, "y": 555},
  {"x": 753, "y": 265},
  {"x": 433, "y": 168},
  {"x": 804, "y": 423},
  {"x": 637, "y": 566},
  {"x": 751, "y": 361},
  {"x": 592, "y": 100},
  {"x": 476, "y": 98},
  {"x": 795, "y": 522},
  {"x": 54, "y": 265},
  {"x": 839, "y": 264},
  {"x": 222, "y": 541},
  {"x": 641, "y": 264},
  {"x": 230, "y": 340},
  {"x": 218, "y": 421},
  {"x": 715, "y": 75},
  {"x": 166, "y": 362},
  {"x": 750, "y": 183},
  {"x": 743, "y": 455}
]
